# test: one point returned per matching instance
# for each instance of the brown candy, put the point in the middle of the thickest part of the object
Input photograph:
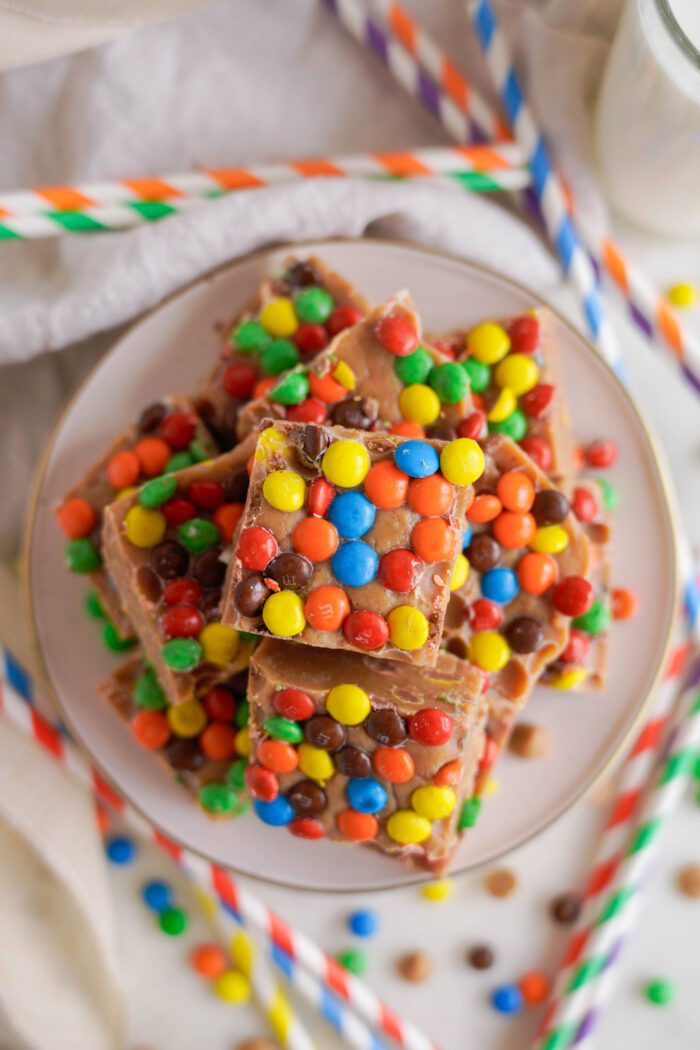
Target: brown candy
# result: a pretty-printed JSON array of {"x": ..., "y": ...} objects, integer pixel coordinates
[
  {"x": 307, "y": 799},
  {"x": 566, "y": 908},
  {"x": 151, "y": 417},
  {"x": 386, "y": 726},
  {"x": 210, "y": 604},
  {"x": 184, "y": 755},
  {"x": 688, "y": 880},
  {"x": 441, "y": 432},
  {"x": 550, "y": 507},
  {"x": 223, "y": 425},
  {"x": 235, "y": 486},
  {"x": 169, "y": 559},
  {"x": 148, "y": 583},
  {"x": 483, "y": 552},
  {"x": 324, "y": 732},
  {"x": 529, "y": 741},
  {"x": 250, "y": 594},
  {"x": 501, "y": 883},
  {"x": 524, "y": 634},
  {"x": 415, "y": 966},
  {"x": 291, "y": 571},
  {"x": 208, "y": 568},
  {"x": 302, "y": 274},
  {"x": 314, "y": 442},
  {"x": 354, "y": 762},
  {"x": 481, "y": 957},
  {"x": 352, "y": 413}
]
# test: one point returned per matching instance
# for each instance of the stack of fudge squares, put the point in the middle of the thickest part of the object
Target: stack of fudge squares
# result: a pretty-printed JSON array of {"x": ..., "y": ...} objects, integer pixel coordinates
[{"x": 346, "y": 559}]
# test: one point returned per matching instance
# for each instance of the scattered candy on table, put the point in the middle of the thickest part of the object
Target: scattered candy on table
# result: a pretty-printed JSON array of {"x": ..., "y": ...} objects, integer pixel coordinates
[
  {"x": 364, "y": 922},
  {"x": 660, "y": 991},
  {"x": 415, "y": 967},
  {"x": 120, "y": 849},
  {"x": 565, "y": 908},
  {"x": 507, "y": 999},
  {"x": 501, "y": 883},
  {"x": 683, "y": 295},
  {"x": 354, "y": 960},
  {"x": 481, "y": 957},
  {"x": 173, "y": 921}
]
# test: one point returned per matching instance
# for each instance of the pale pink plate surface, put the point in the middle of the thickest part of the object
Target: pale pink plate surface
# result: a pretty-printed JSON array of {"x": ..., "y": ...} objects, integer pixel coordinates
[{"x": 169, "y": 351}]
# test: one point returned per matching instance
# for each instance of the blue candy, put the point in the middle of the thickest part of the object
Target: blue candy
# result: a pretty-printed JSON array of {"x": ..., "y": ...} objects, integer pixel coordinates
[
  {"x": 276, "y": 814},
  {"x": 466, "y": 537},
  {"x": 157, "y": 895},
  {"x": 508, "y": 999},
  {"x": 418, "y": 459},
  {"x": 352, "y": 514},
  {"x": 364, "y": 922},
  {"x": 120, "y": 849},
  {"x": 499, "y": 585},
  {"x": 354, "y": 563},
  {"x": 366, "y": 795}
]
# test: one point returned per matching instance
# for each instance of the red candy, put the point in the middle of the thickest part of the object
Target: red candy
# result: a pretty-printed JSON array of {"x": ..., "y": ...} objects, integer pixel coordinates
[
  {"x": 624, "y": 603},
  {"x": 319, "y": 497},
  {"x": 600, "y": 454},
  {"x": 577, "y": 649},
  {"x": 343, "y": 317},
  {"x": 585, "y": 505},
  {"x": 484, "y": 615},
  {"x": 208, "y": 494},
  {"x": 178, "y": 510},
  {"x": 573, "y": 596},
  {"x": 472, "y": 426},
  {"x": 399, "y": 570},
  {"x": 256, "y": 548},
  {"x": 538, "y": 449},
  {"x": 310, "y": 338},
  {"x": 76, "y": 517},
  {"x": 537, "y": 401},
  {"x": 239, "y": 379},
  {"x": 397, "y": 335},
  {"x": 524, "y": 335},
  {"x": 183, "y": 590},
  {"x": 182, "y": 621},
  {"x": 310, "y": 410},
  {"x": 293, "y": 703},
  {"x": 431, "y": 726},
  {"x": 262, "y": 783},
  {"x": 366, "y": 630},
  {"x": 220, "y": 704},
  {"x": 226, "y": 519},
  {"x": 178, "y": 429},
  {"x": 306, "y": 828}
]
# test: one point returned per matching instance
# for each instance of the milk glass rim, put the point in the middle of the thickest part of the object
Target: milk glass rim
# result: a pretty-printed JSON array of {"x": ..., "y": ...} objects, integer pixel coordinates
[{"x": 679, "y": 37}]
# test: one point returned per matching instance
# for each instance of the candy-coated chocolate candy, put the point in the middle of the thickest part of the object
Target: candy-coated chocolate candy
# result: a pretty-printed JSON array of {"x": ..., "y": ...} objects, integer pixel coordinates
[
  {"x": 343, "y": 374},
  {"x": 408, "y": 628},
  {"x": 315, "y": 763},
  {"x": 313, "y": 305},
  {"x": 232, "y": 986},
  {"x": 472, "y": 426},
  {"x": 289, "y": 571},
  {"x": 485, "y": 507},
  {"x": 120, "y": 849},
  {"x": 341, "y": 318},
  {"x": 326, "y": 388},
  {"x": 534, "y": 986},
  {"x": 251, "y": 594},
  {"x": 219, "y": 644},
  {"x": 220, "y": 704},
  {"x": 157, "y": 895},
  {"x": 292, "y": 389},
  {"x": 515, "y": 491},
  {"x": 284, "y": 729},
  {"x": 386, "y": 726},
  {"x": 169, "y": 559},
  {"x": 434, "y": 540},
  {"x": 278, "y": 356},
  {"x": 256, "y": 548},
  {"x": 307, "y": 828},
  {"x": 354, "y": 563},
  {"x": 179, "y": 461},
  {"x": 460, "y": 572},
  {"x": 188, "y": 719},
  {"x": 536, "y": 572},
  {"x": 76, "y": 517},
  {"x": 397, "y": 334},
  {"x": 661, "y": 991},
  {"x": 243, "y": 743},
  {"x": 143, "y": 527},
  {"x": 278, "y": 756},
  {"x": 366, "y": 795},
  {"x": 173, "y": 921},
  {"x": 346, "y": 463},
  {"x": 577, "y": 648},
  {"x": 538, "y": 449},
  {"x": 430, "y": 496},
  {"x": 123, "y": 469},
  {"x": 395, "y": 764},
  {"x": 600, "y": 454},
  {"x": 182, "y": 654},
  {"x": 499, "y": 585},
  {"x": 478, "y": 373},
  {"x": 450, "y": 382},
  {"x": 596, "y": 620},
  {"x": 488, "y": 343},
  {"x": 262, "y": 783},
  {"x": 218, "y": 742},
  {"x": 276, "y": 813},
  {"x": 448, "y": 775},
  {"x": 431, "y": 727},
  {"x": 250, "y": 337},
  {"x": 433, "y": 803},
  {"x": 585, "y": 505},
  {"x": 150, "y": 729},
  {"x": 507, "y": 999},
  {"x": 320, "y": 496},
  {"x": 418, "y": 459},
  {"x": 514, "y": 427},
  {"x": 364, "y": 922},
  {"x": 573, "y": 596},
  {"x": 81, "y": 555},
  {"x": 209, "y": 961},
  {"x": 242, "y": 713},
  {"x": 198, "y": 534},
  {"x": 483, "y": 552},
  {"x": 315, "y": 538},
  {"x": 408, "y": 828},
  {"x": 324, "y": 732},
  {"x": 326, "y": 608},
  {"x": 683, "y": 295},
  {"x": 354, "y": 414},
  {"x": 469, "y": 813},
  {"x": 310, "y": 338},
  {"x": 366, "y": 630},
  {"x": 440, "y": 890},
  {"x": 550, "y": 539},
  {"x": 514, "y": 529},
  {"x": 279, "y": 318},
  {"x": 206, "y": 494},
  {"x": 420, "y": 404},
  {"x": 503, "y": 407},
  {"x": 610, "y": 495},
  {"x": 625, "y": 603},
  {"x": 537, "y": 401},
  {"x": 293, "y": 703},
  {"x": 354, "y": 961},
  {"x": 415, "y": 368},
  {"x": 400, "y": 570},
  {"x": 524, "y": 334},
  {"x": 357, "y": 827},
  {"x": 386, "y": 486},
  {"x": 489, "y": 651},
  {"x": 310, "y": 410},
  {"x": 239, "y": 378},
  {"x": 518, "y": 372},
  {"x": 148, "y": 692},
  {"x": 550, "y": 507},
  {"x": 352, "y": 514},
  {"x": 462, "y": 461},
  {"x": 348, "y": 704},
  {"x": 284, "y": 490},
  {"x": 307, "y": 798},
  {"x": 182, "y": 621},
  {"x": 484, "y": 615},
  {"x": 178, "y": 510},
  {"x": 524, "y": 634},
  {"x": 226, "y": 519},
  {"x": 353, "y": 762}
]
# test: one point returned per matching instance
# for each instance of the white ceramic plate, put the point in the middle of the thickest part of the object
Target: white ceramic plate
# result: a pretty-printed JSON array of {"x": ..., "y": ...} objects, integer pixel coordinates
[{"x": 168, "y": 351}]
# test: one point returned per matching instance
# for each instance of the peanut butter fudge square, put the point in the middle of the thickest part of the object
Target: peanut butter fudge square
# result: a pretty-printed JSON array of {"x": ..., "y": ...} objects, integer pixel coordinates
[
  {"x": 359, "y": 750},
  {"x": 165, "y": 547},
  {"x": 293, "y": 315},
  {"x": 379, "y": 374},
  {"x": 349, "y": 539},
  {"x": 167, "y": 436},
  {"x": 204, "y": 743}
]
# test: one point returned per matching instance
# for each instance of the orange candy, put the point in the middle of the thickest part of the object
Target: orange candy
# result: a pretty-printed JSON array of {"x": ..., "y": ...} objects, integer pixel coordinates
[
  {"x": 484, "y": 508},
  {"x": 226, "y": 519},
  {"x": 407, "y": 430},
  {"x": 434, "y": 540},
  {"x": 537, "y": 572},
  {"x": 263, "y": 385},
  {"x": 218, "y": 741},
  {"x": 514, "y": 529},
  {"x": 152, "y": 453},
  {"x": 386, "y": 486},
  {"x": 150, "y": 729},
  {"x": 395, "y": 764},
  {"x": 448, "y": 775},
  {"x": 315, "y": 538},
  {"x": 534, "y": 986},
  {"x": 515, "y": 490},
  {"x": 277, "y": 756},
  {"x": 209, "y": 961},
  {"x": 430, "y": 496},
  {"x": 123, "y": 470},
  {"x": 326, "y": 388},
  {"x": 358, "y": 827},
  {"x": 624, "y": 603},
  {"x": 76, "y": 517},
  {"x": 326, "y": 608}
]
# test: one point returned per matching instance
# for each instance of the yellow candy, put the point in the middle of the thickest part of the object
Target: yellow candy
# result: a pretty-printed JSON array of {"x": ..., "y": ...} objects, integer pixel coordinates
[
  {"x": 346, "y": 463},
  {"x": 441, "y": 890},
  {"x": 683, "y": 295},
  {"x": 419, "y": 403},
  {"x": 315, "y": 763},
  {"x": 408, "y": 828},
  {"x": 219, "y": 644},
  {"x": 126, "y": 492},
  {"x": 279, "y": 319},
  {"x": 144, "y": 527},
  {"x": 244, "y": 747},
  {"x": 489, "y": 650},
  {"x": 488, "y": 343},
  {"x": 408, "y": 628},
  {"x": 518, "y": 372},
  {"x": 343, "y": 374},
  {"x": 269, "y": 442},
  {"x": 491, "y": 786},
  {"x": 504, "y": 406},
  {"x": 433, "y": 803},
  {"x": 569, "y": 679},
  {"x": 348, "y": 704},
  {"x": 550, "y": 539},
  {"x": 462, "y": 461},
  {"x": 459, "y": 573},
  {"x": 283, "y": 614},
  {"x": 233, "y": 987},
  {"x": 284, "y": 490},
  {"x": 188, "y": 719}
]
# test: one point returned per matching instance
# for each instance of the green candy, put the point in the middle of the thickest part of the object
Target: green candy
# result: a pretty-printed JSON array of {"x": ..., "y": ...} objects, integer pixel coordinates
[
  {"x": 250, "y": 337},
  {"x": 198, "y": 535},
  {"x": 82, "y": 555},
  {"x": 291, "y": 390},
  {"x": 219, "y": 798},
  {"x": 354, "y": 960},
  {"x": 278, "y": 356},
  {"x": 242, "y": 714},
  {"x": 158, "y": 491},
  {"x": 450, "y": 382},
  {"x": 609, "y": 494},
  {"x": 182, "y": 654},
  {"x": 283, "y": 729},
  {"x": 173, "y": 921},
  {"x": 661, "y": 991},
  {"x": 313, "y": 305},
  {"x": 93, "y": 606},
  {"x": 595, "y": 621},
  {"x": 469, "y": 814},
  {"x": 113, "y": 641},
  {"x": 248, "y": 636},
  {"x": 148, "y": 692},
  {"x": 515, "y": 426},
  {"x": 197, "y": 451},
  {"x": 178, "y": 462},
  {"x": 479, "y": 375},
  {"x": 414, "y": 368},
  {"x": 236, "y": 774}
]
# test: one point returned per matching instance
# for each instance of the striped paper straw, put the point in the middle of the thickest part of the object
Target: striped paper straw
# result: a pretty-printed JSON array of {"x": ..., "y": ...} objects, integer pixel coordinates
[{"x": 231, "y": 896}]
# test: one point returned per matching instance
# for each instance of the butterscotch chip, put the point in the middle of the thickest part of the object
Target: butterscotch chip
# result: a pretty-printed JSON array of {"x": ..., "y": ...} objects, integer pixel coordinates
[
  {"x": 688, "y": 880},
  {"x": 529, "y": 741},
  {"x": 501, "y": 883},
  {"x": 415, "y": 966}
]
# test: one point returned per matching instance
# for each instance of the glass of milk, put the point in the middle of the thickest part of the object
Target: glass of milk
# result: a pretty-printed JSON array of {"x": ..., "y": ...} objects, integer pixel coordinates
[{"x": 647, "y": 126}]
